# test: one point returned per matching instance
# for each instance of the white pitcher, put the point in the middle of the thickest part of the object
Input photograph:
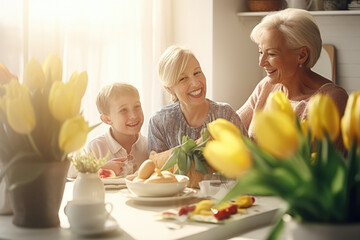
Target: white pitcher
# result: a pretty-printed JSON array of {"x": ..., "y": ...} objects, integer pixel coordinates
[{"x": 302, "y": 4}]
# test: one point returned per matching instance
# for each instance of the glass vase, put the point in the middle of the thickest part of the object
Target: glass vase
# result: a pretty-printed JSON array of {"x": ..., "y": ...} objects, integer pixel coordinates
[{"x": 88, "y": 187}]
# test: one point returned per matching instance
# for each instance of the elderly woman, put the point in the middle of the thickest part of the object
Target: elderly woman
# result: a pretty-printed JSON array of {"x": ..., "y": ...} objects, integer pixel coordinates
[
  {"x": 182, "y": 77},
  {"x": 289, "y": 44}
]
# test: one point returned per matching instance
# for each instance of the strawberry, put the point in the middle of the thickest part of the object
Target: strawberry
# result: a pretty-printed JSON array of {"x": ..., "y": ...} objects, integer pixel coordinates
[
  {"x": 105, "y": 173},
  {"x": 221, "y": 214}
]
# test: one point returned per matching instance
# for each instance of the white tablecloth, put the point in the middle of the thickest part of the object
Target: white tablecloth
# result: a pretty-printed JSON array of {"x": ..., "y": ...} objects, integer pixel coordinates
[{"x": 139, "y": 221}]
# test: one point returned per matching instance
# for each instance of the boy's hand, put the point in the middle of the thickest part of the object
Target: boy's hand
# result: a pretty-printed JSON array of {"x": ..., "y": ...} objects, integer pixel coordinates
[{"x": 115, "y": 164}]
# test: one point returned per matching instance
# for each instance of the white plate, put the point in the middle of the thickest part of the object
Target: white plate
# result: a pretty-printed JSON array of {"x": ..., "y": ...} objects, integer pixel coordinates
[
  {"x": 109, "y": 226},
  {"x": 187, "y": 193},
  {"x": 113, "y": 180},
  {"x": 106, "y": 181}
]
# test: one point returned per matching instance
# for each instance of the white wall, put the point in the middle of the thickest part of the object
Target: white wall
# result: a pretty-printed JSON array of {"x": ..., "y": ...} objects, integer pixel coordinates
[{"x": 229, "y": 58}]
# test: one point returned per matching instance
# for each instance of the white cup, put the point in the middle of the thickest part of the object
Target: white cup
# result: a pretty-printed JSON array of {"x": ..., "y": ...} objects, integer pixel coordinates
[
  {"x": 302, "y": 4},
  {"x": 87, "y": 216}
]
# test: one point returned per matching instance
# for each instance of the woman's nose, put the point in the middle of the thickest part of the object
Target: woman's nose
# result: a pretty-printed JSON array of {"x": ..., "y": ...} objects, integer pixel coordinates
[
  {"x": 194, "y": 81},
  {"x": 262, "y": 61}
]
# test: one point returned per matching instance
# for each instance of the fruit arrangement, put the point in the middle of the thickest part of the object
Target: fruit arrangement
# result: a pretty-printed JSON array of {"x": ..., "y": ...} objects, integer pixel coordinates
[{"x": 206, "y": 208}]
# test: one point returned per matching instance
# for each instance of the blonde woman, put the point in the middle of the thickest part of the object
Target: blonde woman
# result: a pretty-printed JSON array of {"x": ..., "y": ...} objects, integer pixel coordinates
[{"x": 182, "y": 77}]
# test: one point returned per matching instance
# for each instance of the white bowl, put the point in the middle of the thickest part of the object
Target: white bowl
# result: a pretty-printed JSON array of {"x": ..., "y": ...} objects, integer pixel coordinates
[{"x": 156, "y": 189}]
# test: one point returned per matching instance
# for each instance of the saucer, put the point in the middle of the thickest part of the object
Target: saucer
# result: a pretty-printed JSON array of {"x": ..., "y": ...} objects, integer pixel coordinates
[
  {"x": 187, "y": 193},
  {"x": 109, "y": 226}
]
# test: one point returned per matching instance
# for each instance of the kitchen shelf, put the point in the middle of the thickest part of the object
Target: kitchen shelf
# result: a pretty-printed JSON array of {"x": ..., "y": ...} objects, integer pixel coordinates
[{"x": 314, "y": 13}]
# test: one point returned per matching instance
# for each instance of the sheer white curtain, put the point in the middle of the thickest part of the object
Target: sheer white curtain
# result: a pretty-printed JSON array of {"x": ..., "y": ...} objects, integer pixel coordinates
[{"x": 113, "y": 40}]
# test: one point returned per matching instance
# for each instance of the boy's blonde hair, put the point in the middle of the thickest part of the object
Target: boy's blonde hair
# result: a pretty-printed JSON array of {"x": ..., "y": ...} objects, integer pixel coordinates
[
  {"x": 171, "y": 64},
  {"x": 108, "y": 92}
]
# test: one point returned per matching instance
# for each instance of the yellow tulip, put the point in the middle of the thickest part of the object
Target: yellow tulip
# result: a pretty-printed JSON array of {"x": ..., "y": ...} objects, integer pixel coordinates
[
  {"x": 228, "y": 154},
  {"x": 276, "y": 133},
  {"x": 304, "y": 127},
  {"x": 277, "y": 101},
  {"x": 350, "y": 123},
  {"x": 219, "y": 125},
  {"x": 64, "y": 100},
  {"x": 73, "y": 134},
  {"x": 34, "y": 76},
  {"x": 5, "y": 75},
  {"x": 80, "y": 82},
  {"x": 323, "y": 116},
  {"x": 18, "y": 108},
  {"x": 53, "y": 68}
]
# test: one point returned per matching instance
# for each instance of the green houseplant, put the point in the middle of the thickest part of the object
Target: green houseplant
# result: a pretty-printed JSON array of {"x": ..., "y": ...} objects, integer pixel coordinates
[
  {"x": 319, "y": 186},
  {"x": 40, "y": 125}
]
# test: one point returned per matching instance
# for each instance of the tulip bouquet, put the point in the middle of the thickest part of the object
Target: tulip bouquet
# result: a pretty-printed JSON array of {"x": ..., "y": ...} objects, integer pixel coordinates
[
  {"x": 295, "y": 160},
  {"x": 40, "y": 119}
]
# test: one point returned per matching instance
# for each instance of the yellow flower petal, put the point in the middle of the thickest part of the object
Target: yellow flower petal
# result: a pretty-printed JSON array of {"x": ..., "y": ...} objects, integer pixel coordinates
[
  {"x": 64, "y": 101},
  {"x": 18, "y": 107},
  {"x": 34, "y": 76},
  {"x": 277, "y": 101},
  {"x": 53, "y": 68},
  {"x": 80, "y": 82},
  {"x": 228, "y": 155},
  {"x": 276, "y": 133},
  {"x": 350, "y": 126},
  {"x": 323, "y": 116},
  {"x": 220, "y": 125},
  {"x": 73, "y": 134}
]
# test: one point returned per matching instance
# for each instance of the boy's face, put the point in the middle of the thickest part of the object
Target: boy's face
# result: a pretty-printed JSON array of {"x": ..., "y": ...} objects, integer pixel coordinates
[{"x": 125, "y": 114}]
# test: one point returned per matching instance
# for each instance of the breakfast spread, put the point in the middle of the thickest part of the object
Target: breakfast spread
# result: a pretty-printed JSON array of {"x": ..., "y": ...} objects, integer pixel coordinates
[
  {"x": 148, "y": 173},
  {"x": 206, "y": 211}
]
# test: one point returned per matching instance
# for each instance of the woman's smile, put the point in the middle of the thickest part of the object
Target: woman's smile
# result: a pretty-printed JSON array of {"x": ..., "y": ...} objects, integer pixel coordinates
[{"x": 196, "y": 93}]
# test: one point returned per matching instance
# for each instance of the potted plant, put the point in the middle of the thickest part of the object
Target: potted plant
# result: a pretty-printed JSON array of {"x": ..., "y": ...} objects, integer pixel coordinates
[
  {"x": 320, "y": 187},
  {"x": 40, "y": 125}
]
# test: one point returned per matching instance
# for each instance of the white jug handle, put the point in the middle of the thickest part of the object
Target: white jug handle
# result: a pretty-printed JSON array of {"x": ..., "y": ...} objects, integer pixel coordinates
[
  {"x": 110, "y": 208},
  {"x": 309, "y": 4},
  {"x": 65, "y": 211}
]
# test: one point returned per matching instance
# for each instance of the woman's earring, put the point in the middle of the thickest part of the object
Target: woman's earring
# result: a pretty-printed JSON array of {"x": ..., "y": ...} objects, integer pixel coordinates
[{"x": 300, "y": 65}]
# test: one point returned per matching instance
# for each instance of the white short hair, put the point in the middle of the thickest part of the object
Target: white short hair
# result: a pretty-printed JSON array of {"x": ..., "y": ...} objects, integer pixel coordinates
[{"x": 298, "y": 27}]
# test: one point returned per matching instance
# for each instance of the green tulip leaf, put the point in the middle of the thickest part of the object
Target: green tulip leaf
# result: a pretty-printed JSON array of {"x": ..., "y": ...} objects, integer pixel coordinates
[
  {"x": 205, "y": 134},
  {"x": 188, "y": 145},
  {"x": 182, "y": 162},
  {"x": 188, "y": 163},
  {"x": 199, "y": 165},
  {"x": 172, "y": 159}
]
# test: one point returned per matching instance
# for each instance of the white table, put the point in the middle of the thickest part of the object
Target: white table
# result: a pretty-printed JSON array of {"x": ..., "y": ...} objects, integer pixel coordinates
[{"x": 138, "y": 221}]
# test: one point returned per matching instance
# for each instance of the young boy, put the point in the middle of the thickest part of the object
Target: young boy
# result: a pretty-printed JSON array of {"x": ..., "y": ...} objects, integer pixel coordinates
[{"x": 119, "y": 106}]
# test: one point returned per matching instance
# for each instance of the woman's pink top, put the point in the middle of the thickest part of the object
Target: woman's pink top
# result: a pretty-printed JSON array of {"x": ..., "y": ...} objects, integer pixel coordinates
[{"x": 258, "y": 98}]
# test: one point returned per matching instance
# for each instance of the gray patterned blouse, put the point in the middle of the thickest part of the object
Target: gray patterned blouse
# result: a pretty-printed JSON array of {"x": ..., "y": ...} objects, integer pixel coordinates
[{"x": 165, "y": 125}]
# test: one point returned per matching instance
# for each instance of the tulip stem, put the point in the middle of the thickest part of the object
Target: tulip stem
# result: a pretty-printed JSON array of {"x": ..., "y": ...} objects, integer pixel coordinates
[{"x": 32, "y": 142}]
